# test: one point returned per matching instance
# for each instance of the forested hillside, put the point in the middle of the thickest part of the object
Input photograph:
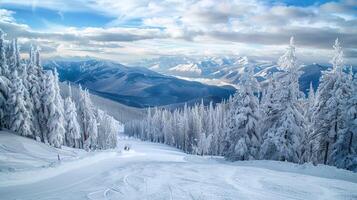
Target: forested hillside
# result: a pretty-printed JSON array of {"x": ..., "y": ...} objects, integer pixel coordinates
[
  {"x": 274, "y": 123},
  {"x": 31, "y": 105}
]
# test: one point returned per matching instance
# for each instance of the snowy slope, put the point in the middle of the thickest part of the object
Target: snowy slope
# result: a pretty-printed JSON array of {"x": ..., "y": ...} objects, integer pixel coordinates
[
  {"x": 20, "y": 153},
  {"x": 120, "y": 112},
  {"x": 24, "y": 161},
  {"x": 155, "y": 171}
]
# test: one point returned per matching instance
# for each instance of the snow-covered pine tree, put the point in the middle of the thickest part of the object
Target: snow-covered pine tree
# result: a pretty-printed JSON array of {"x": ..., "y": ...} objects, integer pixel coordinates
[
  {"x": 13, "y": 61},
  {"x": 267, "y": 104},
  {"x": 112, "y": 132},
  {"x": 351, "y": 130},
  {"x": 13, "y": 58},
  {"x": 308, "y": 140},
  {"x": 9, "y": 55},
  {"x": 157, "y": 126},
  {"x": 88, "y": 120},
  {"x": 328, "y": 117},
  {"x": 218, "y": 129},
  {"x": 34, "y": 80},
  {"x": 176, "y": 127},
  {"x": 19, "y": 117},
  {"x": 198, "y": 133},
  {"x": 243, "y": 118},
  {"x": 4, "y": 69},
  {"x": 167, "y": 129},
  {"x": 149, "y": 126},
  {"x": 344, "y": 153},
  {"x": 4, "y": 81},
  {"x": 190, "y": 135},
  {"x": 343, "y": 150},
  {"x": 60, "y": 126},
  {"x": 24, "y": 73},
  {"x": 213, "y": 122},
  {"x": 311, "y": 98},
  {"x": 53, "y": 112},
  {"x": 108, "y": 128},
  {"x": 282, "y": 140},
  {"x": 73, "y": 133}
]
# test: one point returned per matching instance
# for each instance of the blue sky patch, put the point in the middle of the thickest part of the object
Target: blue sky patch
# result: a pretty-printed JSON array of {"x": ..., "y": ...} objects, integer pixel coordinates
[
  {"x": 40, "y": 18},
  {"x": 302, "y": 3}
]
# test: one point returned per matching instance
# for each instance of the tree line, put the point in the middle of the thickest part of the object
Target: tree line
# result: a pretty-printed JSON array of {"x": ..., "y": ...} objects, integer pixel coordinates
[
  {"x": 276, "y": 122},
  {"x": 31, "y": 104}
]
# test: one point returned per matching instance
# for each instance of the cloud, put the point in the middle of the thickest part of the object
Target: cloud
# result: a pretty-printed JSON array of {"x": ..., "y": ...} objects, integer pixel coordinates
[
  {"x": 195, "y": 26},
  {"x": 6, "y": 15},
  {"x": 120, "y": 34},
  {"x": 77, "y": 35},
  {"x": 45, "y": 46},
  {"x": 347, "y": 6},
  {"x": 73, "y": 41},
  {"x": 318, "y": 38}
]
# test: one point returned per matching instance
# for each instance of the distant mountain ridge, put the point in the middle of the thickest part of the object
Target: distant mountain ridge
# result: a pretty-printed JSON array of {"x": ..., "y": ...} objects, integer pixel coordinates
[
  {"x": 136, "y": 86},
  {"x": 230, "y": 68}
]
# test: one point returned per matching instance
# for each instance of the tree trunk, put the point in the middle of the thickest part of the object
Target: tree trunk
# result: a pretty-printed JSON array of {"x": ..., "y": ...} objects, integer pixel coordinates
[
  {"x": 350, "y": 143},
  {"x": 326, "y": 152}
]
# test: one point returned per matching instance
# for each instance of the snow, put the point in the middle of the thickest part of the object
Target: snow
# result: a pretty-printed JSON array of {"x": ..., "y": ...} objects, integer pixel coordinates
[
  {"x": 21, "y": 154},
  {"x": 156, "y": 171},
  {"x": 208, "y": 81},
  {"x": 187, "y": 68}
]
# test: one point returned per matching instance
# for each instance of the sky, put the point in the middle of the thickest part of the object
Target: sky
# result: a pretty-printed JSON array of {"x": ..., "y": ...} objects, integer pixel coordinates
[{"x": 130, "y": 30}]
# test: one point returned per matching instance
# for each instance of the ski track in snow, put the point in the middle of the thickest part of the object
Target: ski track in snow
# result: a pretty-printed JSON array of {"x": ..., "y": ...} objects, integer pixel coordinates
[{"x": 156, "y": 171}]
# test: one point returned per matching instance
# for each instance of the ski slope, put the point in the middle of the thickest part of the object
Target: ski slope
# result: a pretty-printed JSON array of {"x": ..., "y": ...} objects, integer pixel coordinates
[{"x": 30, "y": 170}]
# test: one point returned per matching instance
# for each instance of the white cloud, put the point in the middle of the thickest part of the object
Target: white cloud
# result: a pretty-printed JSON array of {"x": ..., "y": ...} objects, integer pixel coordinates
[
  {"x": 6, "y": 15},
  {"x": 197, "y": 26}
]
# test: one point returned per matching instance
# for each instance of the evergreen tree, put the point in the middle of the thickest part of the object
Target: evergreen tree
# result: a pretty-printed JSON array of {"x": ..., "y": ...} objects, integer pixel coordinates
[
  {"x": 19, "y": 117},
  {"x": 4, "y": 70},
  {"x": 73, "y": 133},
  {"x": 167, "y": 119},
  {"x": 13, "y": 58},
  {"x": 282, "y": 140},
  {"x": 34, "y": 80},
  {"x": 328, "y": 116},
  {"x": 149, "y": 126},
  {"x": 53, "y": 112},
  {"x": 344, "y": 153},
  {"x": 89, "y": 121},
  {"x": 244, "y": 117},
  {"x": 308, "y": 140},
  {"x": 4, "y": 81}
]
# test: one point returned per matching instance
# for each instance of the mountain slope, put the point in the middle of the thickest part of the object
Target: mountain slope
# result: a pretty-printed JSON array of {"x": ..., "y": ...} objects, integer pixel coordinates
[{"x": 133, "y": 86}]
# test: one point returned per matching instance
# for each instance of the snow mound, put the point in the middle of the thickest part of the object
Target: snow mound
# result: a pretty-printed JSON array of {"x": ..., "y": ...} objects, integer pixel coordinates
[
  {"x": 24, "y": 161},
  {"x": 19, "y": 153},
  {"x": 322, "y": 171}
]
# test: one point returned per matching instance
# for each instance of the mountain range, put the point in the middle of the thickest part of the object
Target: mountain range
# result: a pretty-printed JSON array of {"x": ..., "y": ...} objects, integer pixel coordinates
[
  {"x": 136, "y": 86},
  {"x": 228, "y": 69},
  {"x": 172, "y": 81}
]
